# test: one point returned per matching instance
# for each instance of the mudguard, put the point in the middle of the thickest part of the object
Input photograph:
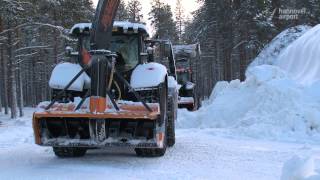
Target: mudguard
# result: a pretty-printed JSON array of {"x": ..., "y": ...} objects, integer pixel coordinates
[
  {"x": 148, "y": 75},
  {"x": 63, "y": 73}
]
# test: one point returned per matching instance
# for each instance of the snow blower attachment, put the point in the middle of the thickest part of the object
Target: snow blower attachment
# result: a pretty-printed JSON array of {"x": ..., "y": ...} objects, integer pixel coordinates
[{"x": 105, "y": 101}]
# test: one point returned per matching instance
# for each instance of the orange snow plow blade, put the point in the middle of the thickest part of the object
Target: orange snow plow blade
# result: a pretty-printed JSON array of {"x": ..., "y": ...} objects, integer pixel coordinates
[
  {"x": 127, "y": 111},
  {"x": 65, "y": 114}
]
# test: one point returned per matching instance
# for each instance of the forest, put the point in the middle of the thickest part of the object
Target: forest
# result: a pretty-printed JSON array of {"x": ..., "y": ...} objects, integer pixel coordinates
[{"x": 34, "y": 34}]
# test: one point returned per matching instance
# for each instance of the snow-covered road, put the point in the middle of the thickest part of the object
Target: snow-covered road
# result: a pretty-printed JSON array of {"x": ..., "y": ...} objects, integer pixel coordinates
[
  {"x": 253, "y": 128},
  {"x": 198, "y": 154}
]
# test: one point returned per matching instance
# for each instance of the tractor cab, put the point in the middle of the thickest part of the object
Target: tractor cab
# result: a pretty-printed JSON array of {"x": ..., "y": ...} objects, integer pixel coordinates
[{"x": 127, "y": 42}]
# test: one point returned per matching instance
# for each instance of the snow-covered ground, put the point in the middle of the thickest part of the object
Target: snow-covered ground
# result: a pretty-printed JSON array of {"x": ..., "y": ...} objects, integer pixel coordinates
[
  {"x": 198, "y": 154},
  {"x": 267, "y": 127}
]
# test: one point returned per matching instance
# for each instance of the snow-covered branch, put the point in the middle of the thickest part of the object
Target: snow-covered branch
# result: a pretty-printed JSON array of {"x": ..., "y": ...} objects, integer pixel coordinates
[
  {"x": 24, "y": 55},
  {"x": 32, "y": 47},
  {"x": 60, "y": 29}
]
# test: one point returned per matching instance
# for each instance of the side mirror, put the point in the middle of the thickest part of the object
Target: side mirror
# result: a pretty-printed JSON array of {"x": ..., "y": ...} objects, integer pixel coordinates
[
  {"x": 150, "y": 54},
  {"x": 150, "y": 50},
  {"x": 190, "y": 86},
  {"x": 144, "y": 57},
  {"x": 167, "y": 49},
  {"x": 68, "y": 51}
]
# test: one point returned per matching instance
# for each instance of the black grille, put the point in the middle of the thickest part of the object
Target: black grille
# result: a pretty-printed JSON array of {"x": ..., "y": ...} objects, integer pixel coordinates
[{"x": 79, "y": 128}]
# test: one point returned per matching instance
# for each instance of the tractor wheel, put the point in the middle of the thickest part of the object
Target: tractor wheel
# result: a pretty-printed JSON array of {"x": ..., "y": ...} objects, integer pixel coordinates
[
  {"x": 158, "y": 152},
  {"x": 69, "y": 152},
  {"x": 172, "y": 108},
  {"x": 196, "y": 103}
]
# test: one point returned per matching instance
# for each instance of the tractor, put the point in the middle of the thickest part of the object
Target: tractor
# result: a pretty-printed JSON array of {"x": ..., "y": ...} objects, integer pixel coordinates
[
  {"x": 187, "y": 58},
  {"x": 112, "y": 94}
]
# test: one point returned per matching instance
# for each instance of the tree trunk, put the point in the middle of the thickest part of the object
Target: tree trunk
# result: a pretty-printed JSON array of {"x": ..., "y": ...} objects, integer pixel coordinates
[
  {"x": 5, "y": 83},
  {"x": 55, "y": 45},
  {"x": 1, "y": 70},
  {"x": 34, "y": 84},
  {"x": 275, "y": 19},
  {"x": 12, "y": 82},
  {"x": 19, "y": 85},
  {"x": 20, "y": 92},
  {"x": 4, "y": 75}
]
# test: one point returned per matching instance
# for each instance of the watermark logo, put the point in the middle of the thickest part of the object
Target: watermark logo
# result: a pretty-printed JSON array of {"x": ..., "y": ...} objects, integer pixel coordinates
[{"x": 289, "y": 14}]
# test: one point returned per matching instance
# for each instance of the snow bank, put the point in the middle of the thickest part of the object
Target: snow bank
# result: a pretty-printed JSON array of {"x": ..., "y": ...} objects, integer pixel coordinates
[
  {"x": 270, "y": 53},
  {"x": 298, "y": 168},
  {"x": 267, "y": 105},
  {"x": 301, "y": 58},
  {"x": 273, "y": 102}
]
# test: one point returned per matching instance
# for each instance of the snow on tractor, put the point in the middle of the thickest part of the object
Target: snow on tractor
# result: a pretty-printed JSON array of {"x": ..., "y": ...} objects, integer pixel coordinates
[
  {"x": 186, "y": 57},
  {"x": 113, "y": 95}
]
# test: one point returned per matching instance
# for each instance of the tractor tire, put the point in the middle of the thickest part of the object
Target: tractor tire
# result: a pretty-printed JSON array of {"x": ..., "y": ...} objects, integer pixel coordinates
[
  {"x": 196, "y": 103},
  {"x": 69, "y": 152},
  {"x": 172, "y": 114},
  {"x": 158, "y": 152}
]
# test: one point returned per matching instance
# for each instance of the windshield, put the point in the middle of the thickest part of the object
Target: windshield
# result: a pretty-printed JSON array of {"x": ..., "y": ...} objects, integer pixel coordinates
[
  {"x": 182, "y": 63},
  {"x": 183, "y": 78},
  {"x": 126, "y": 48}
]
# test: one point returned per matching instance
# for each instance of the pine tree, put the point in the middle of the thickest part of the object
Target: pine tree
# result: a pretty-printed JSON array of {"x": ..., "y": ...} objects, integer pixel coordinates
[
  {"x": 179, "y": 19},
  {"x": 13, "y": 14},
  {"x": 134, "y": 11},
  {"x": 122, "y": 13},
  {"x": 162, "y": 21},
  {"x": 31, "y": 43},
  {"x": 276, "y": 4}
]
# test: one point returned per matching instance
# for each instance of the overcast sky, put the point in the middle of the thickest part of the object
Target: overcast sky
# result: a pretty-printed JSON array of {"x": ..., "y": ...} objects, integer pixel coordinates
[{"x": 188, "y": 5}]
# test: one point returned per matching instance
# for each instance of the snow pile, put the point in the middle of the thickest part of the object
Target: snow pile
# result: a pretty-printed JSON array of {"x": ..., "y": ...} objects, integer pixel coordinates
[
  {"x": 299, "y": 169},
  {"x": 267, "y": 105},
  {"x": 270, "y": 53},
  {"x": 273, "y": 102},
  {"x": 301, "y": 58}
]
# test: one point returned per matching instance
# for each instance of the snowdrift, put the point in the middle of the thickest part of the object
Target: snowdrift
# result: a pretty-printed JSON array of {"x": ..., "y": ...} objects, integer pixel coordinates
[
  {"x": 302, "y": 58},
  {"x": 271, "y": 103},
  {"x": 298, "y": 168},
  {"x": 267, "y": 105}
]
